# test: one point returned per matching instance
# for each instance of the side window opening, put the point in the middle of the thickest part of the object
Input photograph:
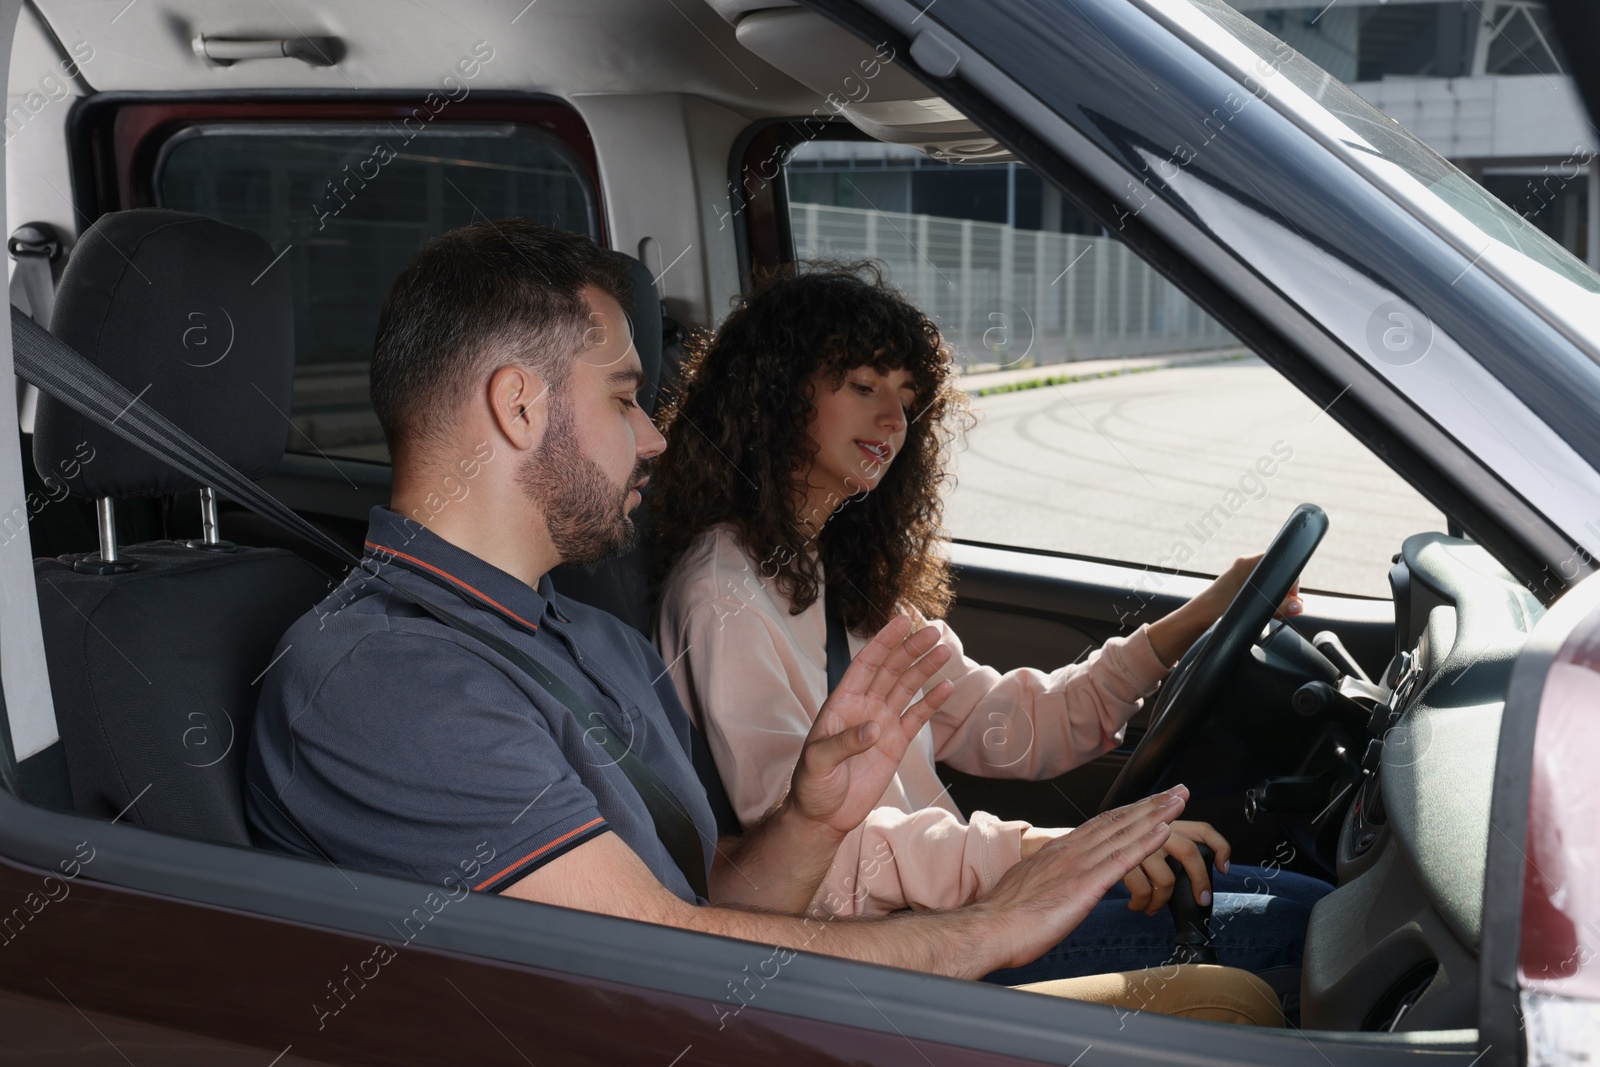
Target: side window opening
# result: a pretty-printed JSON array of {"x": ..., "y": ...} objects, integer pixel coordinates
[
  {"x": 1117, "y": 419},
  {"x": 346, "y": 207}
]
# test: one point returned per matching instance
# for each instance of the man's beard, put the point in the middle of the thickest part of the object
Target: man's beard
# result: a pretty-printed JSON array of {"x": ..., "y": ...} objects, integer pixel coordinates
[{"x": 585, "y": 513}]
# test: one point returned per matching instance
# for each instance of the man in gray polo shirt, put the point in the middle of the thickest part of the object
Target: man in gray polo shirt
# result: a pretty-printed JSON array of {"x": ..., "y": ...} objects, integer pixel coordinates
[{"x": 505, "y": 379}]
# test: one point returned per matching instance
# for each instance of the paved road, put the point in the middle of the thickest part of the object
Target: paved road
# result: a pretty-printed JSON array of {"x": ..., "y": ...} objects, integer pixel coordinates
[{"x": 1143, "y": 466}]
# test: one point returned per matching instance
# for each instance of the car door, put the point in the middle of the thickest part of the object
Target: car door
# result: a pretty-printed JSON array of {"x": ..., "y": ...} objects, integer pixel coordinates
[{"x": 161, "y": 925}]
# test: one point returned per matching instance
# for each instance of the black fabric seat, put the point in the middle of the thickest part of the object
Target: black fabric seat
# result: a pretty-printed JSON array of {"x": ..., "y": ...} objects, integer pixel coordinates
[
  {"x": 154, "y": 656},
  {"x": 154, "y": 667},
  {"x": 152, "y": 674},
  {"x": 621, "y": 585}
]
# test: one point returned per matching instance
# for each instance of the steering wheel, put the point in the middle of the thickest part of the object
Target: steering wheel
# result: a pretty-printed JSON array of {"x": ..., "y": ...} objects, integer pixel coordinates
[{"x": 1188, "y": 692}]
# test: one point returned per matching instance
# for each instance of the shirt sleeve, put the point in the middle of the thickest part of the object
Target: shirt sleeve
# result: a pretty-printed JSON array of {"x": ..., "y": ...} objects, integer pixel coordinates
[
  {"x": 925, "y": 859},
  {"x": 413, "y": 756},
  {"x": 733, "y": 677},
  {"x": 1029, "y": 724}
]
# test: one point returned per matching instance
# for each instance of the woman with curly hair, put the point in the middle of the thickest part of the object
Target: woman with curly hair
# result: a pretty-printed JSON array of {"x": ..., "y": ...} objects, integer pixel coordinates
[{"x": 808, "y": 448}]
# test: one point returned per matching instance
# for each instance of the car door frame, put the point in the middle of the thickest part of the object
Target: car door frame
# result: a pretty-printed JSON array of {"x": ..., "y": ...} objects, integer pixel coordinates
[{"x": 251, "y": 903}]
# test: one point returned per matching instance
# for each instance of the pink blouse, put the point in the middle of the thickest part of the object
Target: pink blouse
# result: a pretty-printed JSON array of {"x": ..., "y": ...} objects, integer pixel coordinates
[{"x": 753, "y": 677}]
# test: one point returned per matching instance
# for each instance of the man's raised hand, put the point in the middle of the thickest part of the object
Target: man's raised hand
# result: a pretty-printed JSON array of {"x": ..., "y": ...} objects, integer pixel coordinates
[{"x": 862, "y": 732}]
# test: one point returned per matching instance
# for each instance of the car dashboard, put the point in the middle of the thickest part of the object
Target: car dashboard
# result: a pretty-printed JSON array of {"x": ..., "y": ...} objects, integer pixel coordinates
[{"x": 1395, "y": 946}]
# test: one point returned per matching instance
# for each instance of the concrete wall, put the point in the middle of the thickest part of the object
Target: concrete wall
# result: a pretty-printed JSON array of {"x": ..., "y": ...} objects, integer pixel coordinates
[{"x": 1488, "y": 117}]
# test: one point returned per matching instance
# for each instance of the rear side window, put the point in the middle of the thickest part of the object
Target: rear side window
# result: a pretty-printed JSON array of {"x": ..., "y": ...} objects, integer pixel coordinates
[{"x": 346, "y": 207}]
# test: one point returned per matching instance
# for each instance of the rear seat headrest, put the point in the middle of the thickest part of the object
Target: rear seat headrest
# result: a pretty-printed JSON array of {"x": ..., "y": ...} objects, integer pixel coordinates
[{"x": 194, "y": 317}]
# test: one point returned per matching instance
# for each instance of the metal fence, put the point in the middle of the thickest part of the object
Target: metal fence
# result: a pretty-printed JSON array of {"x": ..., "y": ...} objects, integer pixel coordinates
[{"x": 1011, "y": 297}]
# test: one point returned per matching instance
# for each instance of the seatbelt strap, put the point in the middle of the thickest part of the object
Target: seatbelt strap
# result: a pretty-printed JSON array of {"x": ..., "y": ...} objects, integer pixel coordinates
[
  {"x": 52, "y": 365},
  {"x": 34, "y": 248},
  {"x": 838, "y": 640}
]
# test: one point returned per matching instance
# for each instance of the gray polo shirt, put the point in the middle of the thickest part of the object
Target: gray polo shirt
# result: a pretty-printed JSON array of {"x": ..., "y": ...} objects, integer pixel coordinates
[{"x": 386, "y": 741}]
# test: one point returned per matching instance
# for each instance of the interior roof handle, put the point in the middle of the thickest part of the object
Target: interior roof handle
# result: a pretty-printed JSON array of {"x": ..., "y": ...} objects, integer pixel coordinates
[{"x": 226, "y": 51}]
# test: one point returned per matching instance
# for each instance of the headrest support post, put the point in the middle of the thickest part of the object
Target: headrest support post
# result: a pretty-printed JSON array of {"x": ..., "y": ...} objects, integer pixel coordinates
[
  {"x": 208, "y": 515},
  {"x": 208, "y": 538},
  {"x": 106, "y": 518},
  {"x": 104, "y": 561}
]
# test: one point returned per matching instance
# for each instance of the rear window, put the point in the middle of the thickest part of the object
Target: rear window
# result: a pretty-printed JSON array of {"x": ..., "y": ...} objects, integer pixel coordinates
[{"x": 346, "y": 207}]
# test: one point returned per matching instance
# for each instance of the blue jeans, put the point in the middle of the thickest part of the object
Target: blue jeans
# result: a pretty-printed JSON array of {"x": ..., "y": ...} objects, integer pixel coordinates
[{"x": 1258, "y": 924}]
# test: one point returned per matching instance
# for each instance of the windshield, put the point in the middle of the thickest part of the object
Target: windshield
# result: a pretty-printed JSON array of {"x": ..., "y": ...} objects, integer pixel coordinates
[{"x": 1503, "y": 242}]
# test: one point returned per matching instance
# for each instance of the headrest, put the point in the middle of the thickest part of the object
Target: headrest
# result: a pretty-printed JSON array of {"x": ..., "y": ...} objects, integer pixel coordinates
[
  {"x": 646, "y": 318},
  {"x": 194, "y": 317}
]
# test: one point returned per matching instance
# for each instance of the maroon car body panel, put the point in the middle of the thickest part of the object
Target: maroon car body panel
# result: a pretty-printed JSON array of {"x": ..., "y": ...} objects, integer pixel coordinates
[
  {"x": 1561, "y": 878},
  {"x": 199, "y": 979}
]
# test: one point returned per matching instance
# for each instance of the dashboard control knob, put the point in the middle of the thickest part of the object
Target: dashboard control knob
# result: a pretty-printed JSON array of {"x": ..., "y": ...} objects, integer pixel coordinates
[
  {"x": 1312, "y": 699},
  {"x": 1382, "y": 718},
  {"x": 1319, "y": 700},
  {"x": 1402, "y": 667},
  {"x": 1327, "y": 642},
  {"x": 1290, "y": 795},
  {"x": 1373, "y": 758}
]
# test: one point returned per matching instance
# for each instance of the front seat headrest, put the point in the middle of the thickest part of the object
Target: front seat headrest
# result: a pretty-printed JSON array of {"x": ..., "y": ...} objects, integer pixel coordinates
[
  {"x": 194, "y": 317},
  {"x": 645, "y": 318}
]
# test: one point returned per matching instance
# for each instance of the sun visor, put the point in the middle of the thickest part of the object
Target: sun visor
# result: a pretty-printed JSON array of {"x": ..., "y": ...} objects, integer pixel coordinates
[{"x": 881, "y": 98}]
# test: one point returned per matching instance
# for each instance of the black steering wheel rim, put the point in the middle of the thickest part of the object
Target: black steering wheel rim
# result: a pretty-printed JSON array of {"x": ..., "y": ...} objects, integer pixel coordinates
[{"x": 1186, "y": 695}]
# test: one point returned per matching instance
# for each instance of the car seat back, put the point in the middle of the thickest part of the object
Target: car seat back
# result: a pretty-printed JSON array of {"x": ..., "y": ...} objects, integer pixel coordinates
[
  {"x": 620, "y": 585},
  {"x": 155, "y": 650}
]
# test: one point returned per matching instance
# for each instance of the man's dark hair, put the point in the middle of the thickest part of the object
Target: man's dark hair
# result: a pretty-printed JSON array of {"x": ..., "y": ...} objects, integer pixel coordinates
[{"x": 475, "y": 299}]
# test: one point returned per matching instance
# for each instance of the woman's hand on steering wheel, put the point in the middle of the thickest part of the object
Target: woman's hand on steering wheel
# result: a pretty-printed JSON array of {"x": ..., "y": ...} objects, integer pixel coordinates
[
  {"x": 1261, "y": 587},
  {"x": 1171, "y": 636}
]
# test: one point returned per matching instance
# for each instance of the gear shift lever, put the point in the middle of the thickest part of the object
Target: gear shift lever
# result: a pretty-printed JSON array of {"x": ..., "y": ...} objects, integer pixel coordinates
[{"x": 1193, "y": 943}]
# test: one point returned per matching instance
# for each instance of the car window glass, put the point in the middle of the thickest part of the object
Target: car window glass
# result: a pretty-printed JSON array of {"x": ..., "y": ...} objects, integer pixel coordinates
[
  {"x": 347, "y": 212},
  {"x": 1385, "y": 143},
  {"x": 1117, "y": 419}
]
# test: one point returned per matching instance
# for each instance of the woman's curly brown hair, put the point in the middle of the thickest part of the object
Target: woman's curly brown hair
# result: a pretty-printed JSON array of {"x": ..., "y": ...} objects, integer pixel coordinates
[{"x": 738, "y": 443}]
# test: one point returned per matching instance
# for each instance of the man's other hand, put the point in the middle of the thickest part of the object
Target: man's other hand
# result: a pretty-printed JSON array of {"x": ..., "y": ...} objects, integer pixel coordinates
[{"x": 1042, "y": 899}]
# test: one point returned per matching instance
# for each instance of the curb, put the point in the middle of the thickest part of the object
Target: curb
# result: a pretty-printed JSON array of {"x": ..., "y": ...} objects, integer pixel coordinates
[{"x": 978, "y": 390}]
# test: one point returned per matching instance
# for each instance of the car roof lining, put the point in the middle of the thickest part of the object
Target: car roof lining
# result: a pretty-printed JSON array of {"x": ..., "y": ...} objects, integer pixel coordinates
[
  {"x": 562, "y": 47},
  {"x": 760, "y": 58}
]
